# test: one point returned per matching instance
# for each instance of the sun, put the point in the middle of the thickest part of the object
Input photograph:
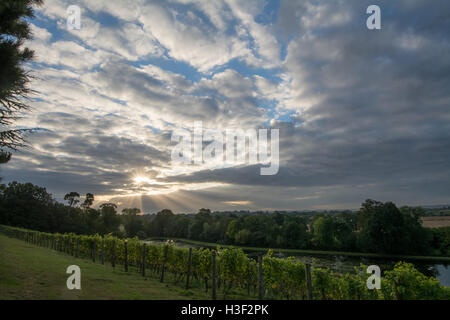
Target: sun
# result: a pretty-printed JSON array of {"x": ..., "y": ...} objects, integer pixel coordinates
[{"x": 142, "y": 179}]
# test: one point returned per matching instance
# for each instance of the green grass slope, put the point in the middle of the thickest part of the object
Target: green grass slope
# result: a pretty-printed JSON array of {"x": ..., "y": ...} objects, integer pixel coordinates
[{"x": 31, "y": 272}]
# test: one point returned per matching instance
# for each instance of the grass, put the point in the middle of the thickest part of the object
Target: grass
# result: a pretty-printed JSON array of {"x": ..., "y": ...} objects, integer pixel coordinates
[
  {"x": 312, "y": 252},
  {"x": 31, "y": 272}
]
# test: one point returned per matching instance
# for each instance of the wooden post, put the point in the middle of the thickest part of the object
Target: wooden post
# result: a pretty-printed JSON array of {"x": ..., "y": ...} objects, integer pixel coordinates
[
  {"x": 140, "y": 261},
  {"x": 93, "y": 251},
  {"x": 260, "y": 278},
  {"x": 125, "y": 253},
  {"x": 213, "y": 265},
  {"x": 164, "y": 263},
  {"x": 144, "y": 249},
  {"x": 113, "y": 255},
  {"x": 308, "y": 281},
  {"x": 103, "y": 250},
  {"x": 189, "y": 268},
  {"x": 396, "y": 294},
  {"x": 248, "y": 277}
]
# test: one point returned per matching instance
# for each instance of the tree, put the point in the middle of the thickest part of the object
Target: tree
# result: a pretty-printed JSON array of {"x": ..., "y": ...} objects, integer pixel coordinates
[
  {"x": 109, "y": 221},
  {"x": 4, "y": 158},
  {"x": 243, "y": 236},
  {"x": 131, "y": 211},
  {"x": 196, "y": 228},
  {"x": 179, "y": 227},
  {"x": 26, "y": 205},
  {"x": 386, "y": 229},
  {"x": 72, "y": 198},
  {"x": 324, "y": 233},
  {"x": 108, "y": 205},
  {"x": 131, "y": 221},
  {"x": 14, "y": 80},
  {"x": 161, "y": 223},
  {"x": 294, "y": 233},
  {"x": 421, "y": 236},
  {"x": 278, "y": 218},
  {"x": 203, "y": 214},
  {"x": 366, "y": 212},
  {"x": 232, "y": 230},
  {"x": 88, "y": 201}
]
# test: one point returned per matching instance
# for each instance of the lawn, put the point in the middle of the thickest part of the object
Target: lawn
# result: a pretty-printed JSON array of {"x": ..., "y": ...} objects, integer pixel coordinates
[{"x": 31, "y": 272}]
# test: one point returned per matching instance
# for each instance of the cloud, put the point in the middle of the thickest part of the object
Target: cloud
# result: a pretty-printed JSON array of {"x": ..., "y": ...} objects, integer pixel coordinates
[
  {"x": 362, "y": 114},
  {"x": 189, "y": 39}
]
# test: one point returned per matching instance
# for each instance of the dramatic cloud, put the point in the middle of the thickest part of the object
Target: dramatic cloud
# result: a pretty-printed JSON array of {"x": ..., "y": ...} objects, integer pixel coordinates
[{"x": 361, "y": 113}]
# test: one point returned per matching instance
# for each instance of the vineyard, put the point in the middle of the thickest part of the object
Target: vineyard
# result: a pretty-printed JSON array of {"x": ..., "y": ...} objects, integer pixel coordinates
[{"x": 224, "y": 270}]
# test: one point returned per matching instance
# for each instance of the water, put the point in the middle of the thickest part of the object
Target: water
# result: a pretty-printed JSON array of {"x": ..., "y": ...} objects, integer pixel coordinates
[
  {"x": 346, "y": 264},
  {"x": 443, "y": 274}
]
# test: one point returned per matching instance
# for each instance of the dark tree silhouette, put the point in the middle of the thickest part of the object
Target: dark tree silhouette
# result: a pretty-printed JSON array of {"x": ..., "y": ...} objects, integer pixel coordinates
[
  {"x": 88, "y": 201},
  {"x": 4, "y": 157},
  {"x": 72, "y": 198},
  {"x": 108, "y": 205},
  {"x": 14, "y": 80},
  {"x": 109, "y": 220},
  {"x": 132, "y": 222}
]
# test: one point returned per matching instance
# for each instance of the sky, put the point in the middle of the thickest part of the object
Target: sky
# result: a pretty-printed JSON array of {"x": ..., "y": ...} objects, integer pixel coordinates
[{"x": 361, "y": 113}]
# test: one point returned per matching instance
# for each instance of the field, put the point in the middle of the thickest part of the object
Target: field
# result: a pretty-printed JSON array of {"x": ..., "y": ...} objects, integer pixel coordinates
[
  {"x": 436, "y": 222},
  {"x": 31, "y": 272}
]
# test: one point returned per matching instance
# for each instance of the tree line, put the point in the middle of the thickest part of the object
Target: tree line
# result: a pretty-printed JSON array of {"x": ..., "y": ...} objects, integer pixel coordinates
[{"x": 377, "y": 227}]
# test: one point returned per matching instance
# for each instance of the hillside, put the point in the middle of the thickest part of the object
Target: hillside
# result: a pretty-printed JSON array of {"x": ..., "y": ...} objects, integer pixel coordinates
[{"x": 31, "y": 272}]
